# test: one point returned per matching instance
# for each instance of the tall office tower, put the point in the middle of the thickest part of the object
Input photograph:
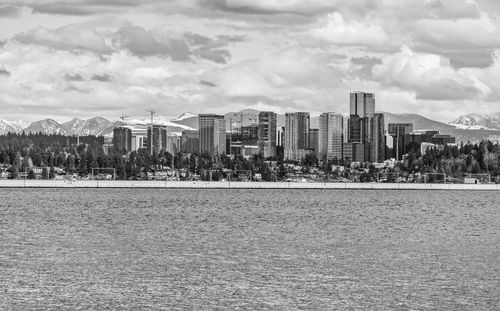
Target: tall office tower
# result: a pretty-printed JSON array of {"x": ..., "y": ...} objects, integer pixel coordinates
[
  {"x": 159, "y": 138},
  {"x": 122, "y": 138},
  {"x": 362, "y": 104},
  {"x": 267, "y": 133},
  {"x": 357, "y": 129},
  {"x": 400, "y": 133},
  {"x": 190, "y": 141},
  {"x": 212, "y": 131},
  {"x": 331, "y": 136},
  {"x": 314, "y": 141},
  {"x": 364, "y": 128},
  {"x": 376, "y": 138},
  {"x": 296, "y": 135},
  {"x": 354, "y": 152}
]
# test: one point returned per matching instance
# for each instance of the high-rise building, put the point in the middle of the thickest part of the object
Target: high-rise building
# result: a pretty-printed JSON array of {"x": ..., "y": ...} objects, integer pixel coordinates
[
  {"x": 314, "y": 141},
  {"x": 357, "y": 129},
  {"x": 139, "y": 138},
  {"x": 243, "y": 140},
  {"x": 267, "y": 133},
  {"x": 159, "y": 139},
  {"x": 296, "y": 135},
  {"x": 353, "y": 152},
  {"x": 190, "y": 141},
  {"x": 212, "y": 131},
  {"x": 331, "y": 136},
  {"x": 362, "y": 104},
  {"x": 122, "y": 138},
  {"x": 366, "y": 127},
  {"x": 376, "y": 138},
  {"x": 400, "y": 133}
]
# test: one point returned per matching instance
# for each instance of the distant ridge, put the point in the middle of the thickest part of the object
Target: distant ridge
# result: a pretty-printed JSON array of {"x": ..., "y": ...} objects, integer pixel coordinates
[
  {"x": 475, "y": 121},
  {"x": 472, "y": 127}
]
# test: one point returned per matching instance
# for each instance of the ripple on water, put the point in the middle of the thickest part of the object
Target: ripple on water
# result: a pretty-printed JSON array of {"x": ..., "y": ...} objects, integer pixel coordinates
[{"x": 248, "y": 249}]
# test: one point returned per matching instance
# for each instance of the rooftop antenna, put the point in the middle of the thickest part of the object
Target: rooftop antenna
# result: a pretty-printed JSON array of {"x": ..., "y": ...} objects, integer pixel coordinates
[{"x": 152, "y": 111}]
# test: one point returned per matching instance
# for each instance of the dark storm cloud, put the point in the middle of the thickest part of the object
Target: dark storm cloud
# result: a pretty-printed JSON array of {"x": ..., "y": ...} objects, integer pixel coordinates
[{"x": 102, "y": 78}]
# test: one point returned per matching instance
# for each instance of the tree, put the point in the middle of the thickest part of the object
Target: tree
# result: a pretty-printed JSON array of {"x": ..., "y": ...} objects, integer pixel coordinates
[
  {"x": 14, "y": 172},
  {"x": 52, "y": 172},
  {"x": 45, "y": 173}
]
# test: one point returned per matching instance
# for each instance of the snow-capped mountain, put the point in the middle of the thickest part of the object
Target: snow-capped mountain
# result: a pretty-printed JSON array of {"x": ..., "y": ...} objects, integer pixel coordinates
[
  {"x": 74, "y": 126},
  {"x": 184, "y": 116},
  {"x": 10, "y": 126},
  {"x": 95, "y": 126},
  {"x": 47, "y": 126},
  {"x": 476, "y": 121}
]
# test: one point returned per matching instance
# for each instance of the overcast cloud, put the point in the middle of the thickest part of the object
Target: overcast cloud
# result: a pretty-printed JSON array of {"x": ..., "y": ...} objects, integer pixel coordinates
[{"x": 60, "y": 59}]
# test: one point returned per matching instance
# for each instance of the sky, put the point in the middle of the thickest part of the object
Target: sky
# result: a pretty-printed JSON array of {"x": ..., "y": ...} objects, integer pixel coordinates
[{"x": 62, "y": 59}]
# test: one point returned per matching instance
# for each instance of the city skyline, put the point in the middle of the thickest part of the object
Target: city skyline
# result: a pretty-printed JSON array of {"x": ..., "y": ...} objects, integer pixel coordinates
[{"x": 435, "y": 58}]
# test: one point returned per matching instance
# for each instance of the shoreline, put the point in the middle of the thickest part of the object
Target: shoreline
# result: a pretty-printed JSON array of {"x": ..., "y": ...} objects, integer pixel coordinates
[{"x": 152, "y": 184}]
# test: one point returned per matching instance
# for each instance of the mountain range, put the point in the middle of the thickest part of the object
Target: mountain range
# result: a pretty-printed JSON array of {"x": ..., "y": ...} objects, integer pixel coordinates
[
  {"x": 472, "y": 127},
  {"x": 476, "y": 121}
]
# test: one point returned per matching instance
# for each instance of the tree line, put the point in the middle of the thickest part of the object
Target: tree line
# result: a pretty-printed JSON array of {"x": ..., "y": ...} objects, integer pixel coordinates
[{"x": 21, "y": 153}]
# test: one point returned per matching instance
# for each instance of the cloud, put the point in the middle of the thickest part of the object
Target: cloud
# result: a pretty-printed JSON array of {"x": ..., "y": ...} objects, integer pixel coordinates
[
  {"x": 208, "y": 83},
  {"x": 141, "y": 42},
  {"x": 468, "y": 42},
  {"x": 334, "y": 29},
  {"x": 4, "y": 72},
  {"x": 451, "y": 9},
  {"x": 8, "y": 10},
  {"x": 102, "y": 78},
  {"x": 73, "y": 77},
  {"x": 213, "y": 55},
  {"x": 70, "y": 38},
  {"x": 137, "y": 40},
  {"x": 430, "y": 76},
  {"x": 299, "y": 7},
  {"x": 362, "y": 66}
]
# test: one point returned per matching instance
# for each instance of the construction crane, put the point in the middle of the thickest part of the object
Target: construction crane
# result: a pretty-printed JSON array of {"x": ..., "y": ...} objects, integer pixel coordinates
[{"x": 123, "y": 117}]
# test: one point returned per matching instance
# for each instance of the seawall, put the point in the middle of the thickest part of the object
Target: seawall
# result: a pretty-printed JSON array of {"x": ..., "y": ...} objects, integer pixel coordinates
[{"x": 237, "y": 185}]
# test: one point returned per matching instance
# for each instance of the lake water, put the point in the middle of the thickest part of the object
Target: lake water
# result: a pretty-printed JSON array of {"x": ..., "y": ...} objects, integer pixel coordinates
[{"x": 141, "y": 249}]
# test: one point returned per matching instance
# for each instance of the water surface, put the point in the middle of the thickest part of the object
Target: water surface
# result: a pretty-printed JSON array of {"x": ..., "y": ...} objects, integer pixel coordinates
[{"x": 249, "y": 249}]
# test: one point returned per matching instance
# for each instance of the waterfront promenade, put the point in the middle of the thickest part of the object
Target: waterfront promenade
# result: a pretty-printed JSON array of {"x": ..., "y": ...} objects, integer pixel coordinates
[{"x": 237, "y": 185}]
